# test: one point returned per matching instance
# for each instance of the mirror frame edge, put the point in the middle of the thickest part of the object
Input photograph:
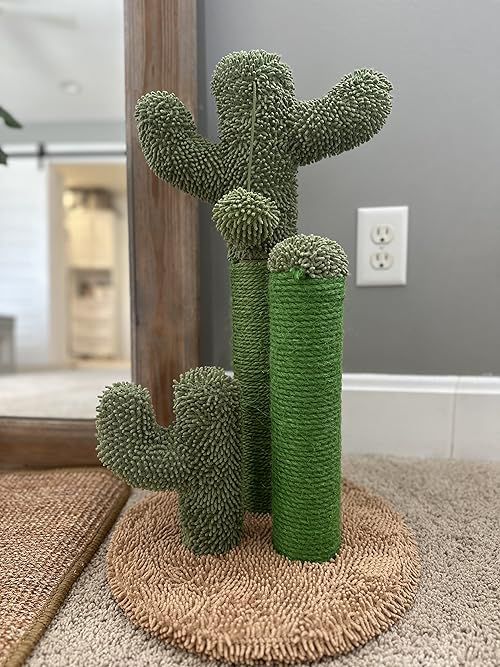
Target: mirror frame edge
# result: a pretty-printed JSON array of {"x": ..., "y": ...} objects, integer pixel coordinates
[{"x": 165, "y": 332}]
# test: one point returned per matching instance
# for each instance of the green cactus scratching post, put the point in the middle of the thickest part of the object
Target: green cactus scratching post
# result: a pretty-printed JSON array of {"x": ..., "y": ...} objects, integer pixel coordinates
[
  {"x": 306, "y": 293},
  {"x": 265, "y": 135},
  {"x": 199, "y": 455},
  {"x": 249, "y": 286}
]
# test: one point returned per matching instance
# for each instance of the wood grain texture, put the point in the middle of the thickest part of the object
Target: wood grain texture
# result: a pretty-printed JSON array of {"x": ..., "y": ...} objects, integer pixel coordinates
[
  {"x": 47, "y": 443},
  {"x": 160, "y": 54}
]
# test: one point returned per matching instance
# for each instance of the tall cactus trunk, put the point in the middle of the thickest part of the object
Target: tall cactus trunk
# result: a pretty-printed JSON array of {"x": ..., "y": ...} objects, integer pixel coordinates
[
  {"x": 250, "y": 321},
  {"x": 306, "y": 338},
  {"x": 247, "y": 220}
]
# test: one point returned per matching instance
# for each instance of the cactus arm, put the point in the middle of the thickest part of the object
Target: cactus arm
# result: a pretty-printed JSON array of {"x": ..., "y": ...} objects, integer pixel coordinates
[
  {"x": 349, "y": 115},
  {"x": 132, "y": 444},
  {"x": 173, "y": 147}
]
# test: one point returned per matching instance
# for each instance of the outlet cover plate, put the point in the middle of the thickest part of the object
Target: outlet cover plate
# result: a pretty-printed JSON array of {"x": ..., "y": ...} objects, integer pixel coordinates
[{"x": 394, "y": 271}]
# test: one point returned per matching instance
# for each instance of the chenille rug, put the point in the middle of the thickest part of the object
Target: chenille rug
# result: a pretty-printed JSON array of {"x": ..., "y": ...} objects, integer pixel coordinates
[
  {"x": 252, "y": 605},
  {"x": 51, "y": 523}
]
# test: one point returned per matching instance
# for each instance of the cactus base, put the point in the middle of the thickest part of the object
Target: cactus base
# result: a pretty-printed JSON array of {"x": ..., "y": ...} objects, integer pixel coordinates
[{"x": 252, "y": 605}]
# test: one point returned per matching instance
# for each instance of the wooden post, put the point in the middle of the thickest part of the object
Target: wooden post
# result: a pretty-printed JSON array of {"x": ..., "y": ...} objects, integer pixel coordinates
[{"x": 160, "y": 54}]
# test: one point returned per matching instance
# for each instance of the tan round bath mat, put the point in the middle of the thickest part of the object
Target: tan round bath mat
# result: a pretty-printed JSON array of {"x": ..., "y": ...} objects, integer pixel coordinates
[{"x": 252, "y": 605}]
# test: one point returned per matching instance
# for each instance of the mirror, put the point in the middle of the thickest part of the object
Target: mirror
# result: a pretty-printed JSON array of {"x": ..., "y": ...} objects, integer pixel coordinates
[{"x": 64, "y": 276}]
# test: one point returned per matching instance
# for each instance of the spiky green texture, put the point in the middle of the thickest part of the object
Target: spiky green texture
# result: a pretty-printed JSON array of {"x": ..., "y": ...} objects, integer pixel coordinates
[
  {"x": 265, "y": 134},
  {"x": 245, "y": 219},
  {"x": 309, "y": 255},
  {"x": 199, "y": 454}
]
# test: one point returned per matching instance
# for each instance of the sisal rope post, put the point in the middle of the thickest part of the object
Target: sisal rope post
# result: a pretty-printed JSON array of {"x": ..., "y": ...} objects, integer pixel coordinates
[
  {"x": 250, "y": 321},
  {"x": 306, "y": 294},
  {"x": 246, "y": 219}
]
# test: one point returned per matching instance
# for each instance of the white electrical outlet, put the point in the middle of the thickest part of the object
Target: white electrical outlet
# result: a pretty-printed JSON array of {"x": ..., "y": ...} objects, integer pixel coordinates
[
  {"x": 382, "y": 245},
  {"x": 382, "y": 234},
  {"x": 381, "y": 260}
]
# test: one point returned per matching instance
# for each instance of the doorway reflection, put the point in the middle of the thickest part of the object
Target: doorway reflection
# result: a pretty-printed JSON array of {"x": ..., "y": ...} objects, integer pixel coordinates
[{"x": 64, "y": 285}]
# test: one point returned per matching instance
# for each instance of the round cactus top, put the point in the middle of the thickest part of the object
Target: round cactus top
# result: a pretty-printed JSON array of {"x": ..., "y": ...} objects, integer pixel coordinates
[
  {"x": 236, "y": 70},
  {"x": 245, "y": 219},
  {"x": 309, "y": 255}
]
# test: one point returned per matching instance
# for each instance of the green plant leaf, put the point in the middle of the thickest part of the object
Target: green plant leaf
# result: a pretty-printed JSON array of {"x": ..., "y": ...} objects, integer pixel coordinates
[
  {"x": 3, "y": 157},
  {"x": 8, "y": 119}
]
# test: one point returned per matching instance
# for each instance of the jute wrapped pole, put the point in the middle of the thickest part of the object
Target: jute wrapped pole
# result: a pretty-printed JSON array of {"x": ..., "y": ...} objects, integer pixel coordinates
[
  {"x": 250, "y": 323},
  {"x": 306, "y": 294},
  {"x": 246, "y": 219}
]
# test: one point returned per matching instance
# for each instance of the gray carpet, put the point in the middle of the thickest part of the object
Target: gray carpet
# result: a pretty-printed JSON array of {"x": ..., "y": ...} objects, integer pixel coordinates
[
  {"x": 454, "y": 509},
  {"x": 69, "y": 393}
]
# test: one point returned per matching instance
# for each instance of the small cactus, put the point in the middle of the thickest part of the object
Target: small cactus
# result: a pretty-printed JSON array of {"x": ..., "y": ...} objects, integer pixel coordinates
[
  {"x": 245, "y": 219},
  {"x": 199, "y": 455}
]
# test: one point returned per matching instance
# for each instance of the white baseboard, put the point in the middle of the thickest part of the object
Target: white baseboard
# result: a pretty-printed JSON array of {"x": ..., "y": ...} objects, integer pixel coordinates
[
  {"x": 428, "y": 416},
  {"x": 424, "y": 416}
]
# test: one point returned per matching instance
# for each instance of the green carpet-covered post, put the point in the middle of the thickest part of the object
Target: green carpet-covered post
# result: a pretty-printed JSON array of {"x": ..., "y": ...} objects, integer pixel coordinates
[{"x": 306, "y": 294}]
